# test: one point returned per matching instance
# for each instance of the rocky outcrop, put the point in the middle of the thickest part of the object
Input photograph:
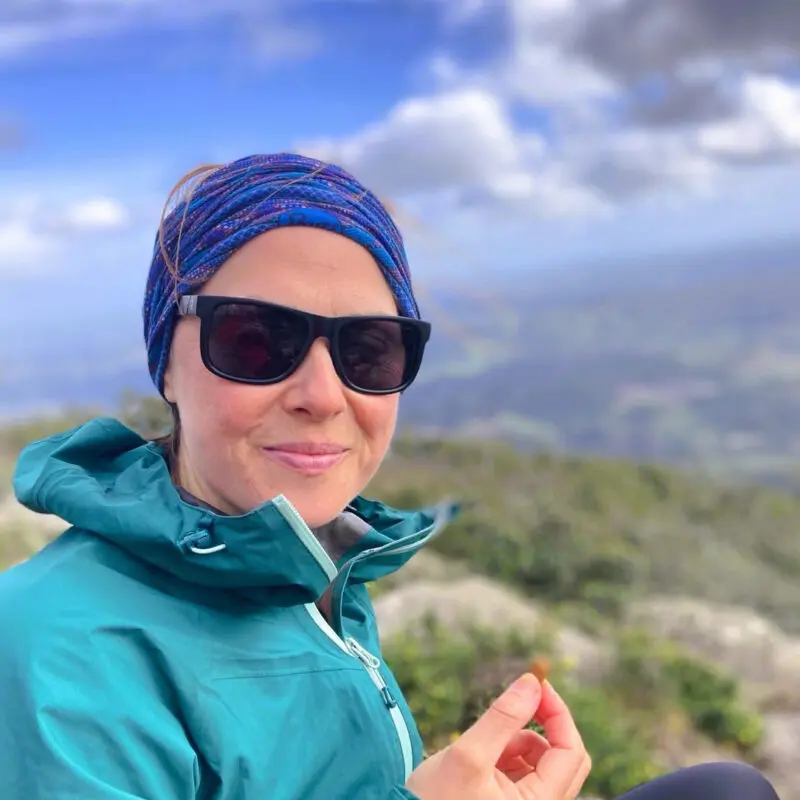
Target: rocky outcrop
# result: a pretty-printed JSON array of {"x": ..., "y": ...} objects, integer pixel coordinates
[
  {"x": 478, "y": 601},
  {"x": 780, "y": 752},
  {"x": 753, "y": 649},
  {"x": 764, "y": 659},
  {"x": 427, "y": 565}
]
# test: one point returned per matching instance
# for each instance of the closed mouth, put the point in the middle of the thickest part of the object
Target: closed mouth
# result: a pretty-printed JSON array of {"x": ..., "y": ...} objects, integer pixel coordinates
[{"x": 306, "y": 459}]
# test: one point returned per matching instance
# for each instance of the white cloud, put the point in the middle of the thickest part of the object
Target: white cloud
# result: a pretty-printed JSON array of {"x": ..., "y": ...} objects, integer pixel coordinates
[
  {"x": 461, "y": 145},
  {"x": 540, "y": 73},
  {"x": 430, "y": 143},
  {"x": 537, "y": 67},
  {"x": 26, "y": 26},
  {"x": 21, "y": 249},
  {"x": 445, "y": 72},
  {"x": 638, "y": 97},
  {"x": 100, "y": 213},
  {"x": 629, "y": 164},
  {"x": 22, "y": 246},
  {"x": 464, "y": 11},
  {"x": 595, "y": 138},
  {"x": 274, "y": 43},
  {"x": 17, "y": 38},
  {"x": 767, "y": 126},
  {"x": 35, "y": 230}
]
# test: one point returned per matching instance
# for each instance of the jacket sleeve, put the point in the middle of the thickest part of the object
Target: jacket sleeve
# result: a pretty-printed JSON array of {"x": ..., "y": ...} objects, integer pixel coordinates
[{"x": 78, "y": 723}]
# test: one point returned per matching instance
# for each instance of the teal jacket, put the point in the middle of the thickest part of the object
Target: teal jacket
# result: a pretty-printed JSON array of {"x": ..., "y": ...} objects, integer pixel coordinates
[{"x": 160, "y": 650}]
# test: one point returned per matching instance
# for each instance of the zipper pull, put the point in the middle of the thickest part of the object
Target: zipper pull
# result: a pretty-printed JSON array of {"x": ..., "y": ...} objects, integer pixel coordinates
[
  {"x": 388, "y": 697},
  {"x": 372, "y": 663},
  {"x": 363, "y": 655}
]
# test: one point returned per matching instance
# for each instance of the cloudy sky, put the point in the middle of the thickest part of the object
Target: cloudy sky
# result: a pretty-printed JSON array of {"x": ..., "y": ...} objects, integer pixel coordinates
[{"x": 511, "y": 134}]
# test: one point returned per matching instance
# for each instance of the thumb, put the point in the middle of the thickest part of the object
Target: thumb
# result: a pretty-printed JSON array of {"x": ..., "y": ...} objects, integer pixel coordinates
[{"x": 489, "y": 736}]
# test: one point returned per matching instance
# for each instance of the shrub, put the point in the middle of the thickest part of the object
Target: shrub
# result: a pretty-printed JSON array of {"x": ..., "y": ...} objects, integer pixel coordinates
[
  {"x": 655, "y": 675},
  {"x": 449, "y": 680}
]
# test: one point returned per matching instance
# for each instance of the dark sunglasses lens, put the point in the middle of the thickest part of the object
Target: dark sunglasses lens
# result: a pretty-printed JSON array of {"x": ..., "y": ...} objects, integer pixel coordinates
[
  {"x": 255, "y": 343},
  {"x": 378, "y": 355}
]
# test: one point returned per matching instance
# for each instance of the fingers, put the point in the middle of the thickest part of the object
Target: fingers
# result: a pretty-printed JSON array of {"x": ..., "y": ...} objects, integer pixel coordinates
[
  {"x": 563, "y": 764},
  {"x": 518, "y": 770},
  {"x": 480, "y": 747},
  {"x": 519, "y": 759},
  {"x": 526, "y": 745},
  {"x": 524, "y": 752},
  {"x": 556, "y": 765},
  {"x": 583, "y": 773}
]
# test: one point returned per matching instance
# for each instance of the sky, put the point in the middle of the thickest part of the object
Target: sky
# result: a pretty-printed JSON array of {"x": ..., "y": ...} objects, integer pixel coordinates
[{"x": 511, "y": 136}]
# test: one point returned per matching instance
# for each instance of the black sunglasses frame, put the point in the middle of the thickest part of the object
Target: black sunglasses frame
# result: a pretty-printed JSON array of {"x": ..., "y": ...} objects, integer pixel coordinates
[{"x": 318, "y": 327}]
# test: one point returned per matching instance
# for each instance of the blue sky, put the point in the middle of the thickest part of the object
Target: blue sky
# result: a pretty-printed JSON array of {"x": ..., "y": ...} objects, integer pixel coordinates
[{"x": 514, "y": 135}]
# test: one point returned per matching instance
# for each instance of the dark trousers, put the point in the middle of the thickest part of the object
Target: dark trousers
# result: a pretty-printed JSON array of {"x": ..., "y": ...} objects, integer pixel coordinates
[{"x": 717, "y": 781}]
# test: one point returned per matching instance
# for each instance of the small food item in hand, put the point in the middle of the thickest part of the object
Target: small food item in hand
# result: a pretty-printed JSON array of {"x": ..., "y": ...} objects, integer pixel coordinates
[{"x": 540, "y": 668}]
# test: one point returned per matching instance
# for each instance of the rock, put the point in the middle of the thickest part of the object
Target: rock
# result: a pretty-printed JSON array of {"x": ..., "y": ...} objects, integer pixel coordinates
[
  {"x": 428, "y": 566},
  {"x": 476, "y": 600},
  {"x": 752, "y": 649},
  {"x": 779, "y": 752}
]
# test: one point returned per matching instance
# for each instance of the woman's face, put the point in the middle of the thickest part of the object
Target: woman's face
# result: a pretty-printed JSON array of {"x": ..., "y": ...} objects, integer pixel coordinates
[{"x": 235, "y": 437}]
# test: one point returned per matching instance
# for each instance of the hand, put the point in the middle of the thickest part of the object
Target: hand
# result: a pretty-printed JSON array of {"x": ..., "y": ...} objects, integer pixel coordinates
[{"x": 499, "y": 759}]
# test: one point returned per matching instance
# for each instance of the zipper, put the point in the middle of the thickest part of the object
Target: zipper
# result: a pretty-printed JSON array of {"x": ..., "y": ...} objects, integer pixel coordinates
[
  {"x": 349, "y": 645},
  {"x": 442, "y": 516},
  {"x": 371, "y": 664}
]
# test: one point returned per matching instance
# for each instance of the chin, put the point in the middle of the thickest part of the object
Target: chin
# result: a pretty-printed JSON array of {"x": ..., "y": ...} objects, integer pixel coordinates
[
  {"x": 315, "y": 511},
  {"x": 317, "y": 506},
  {"x": 318, "y": 499},
  {"x": 316, "y": 514}
]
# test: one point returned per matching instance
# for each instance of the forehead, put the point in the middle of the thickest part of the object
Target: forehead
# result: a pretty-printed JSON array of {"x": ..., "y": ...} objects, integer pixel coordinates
[{"x": 307, "y": 268}]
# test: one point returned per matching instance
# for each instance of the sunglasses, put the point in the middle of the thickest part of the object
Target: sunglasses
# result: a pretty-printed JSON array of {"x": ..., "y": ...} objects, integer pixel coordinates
[{"x": 251, "y": 341}]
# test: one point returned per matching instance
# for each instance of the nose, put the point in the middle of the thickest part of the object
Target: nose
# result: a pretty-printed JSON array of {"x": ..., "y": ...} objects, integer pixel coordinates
[{"x": 315, "y": 389}]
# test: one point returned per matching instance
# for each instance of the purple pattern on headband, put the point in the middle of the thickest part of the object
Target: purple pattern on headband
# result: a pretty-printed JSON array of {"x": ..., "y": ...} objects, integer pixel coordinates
[{"x": 251, "y": 196}]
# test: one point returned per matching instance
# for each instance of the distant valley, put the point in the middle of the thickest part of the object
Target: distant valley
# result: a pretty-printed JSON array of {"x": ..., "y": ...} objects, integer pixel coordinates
[{"x": 691, "y": 367}]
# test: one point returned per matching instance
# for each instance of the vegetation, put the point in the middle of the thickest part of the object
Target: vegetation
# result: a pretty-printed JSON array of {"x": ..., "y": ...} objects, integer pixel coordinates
[
  {"x": 660, "y": 676},
  {"x": 449, "y": 681},
  {"x": 600, "y": 533}
]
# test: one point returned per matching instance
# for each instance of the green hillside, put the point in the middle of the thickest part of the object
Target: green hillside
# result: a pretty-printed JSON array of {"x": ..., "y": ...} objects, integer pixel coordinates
[{"x": 600, "y": 533}]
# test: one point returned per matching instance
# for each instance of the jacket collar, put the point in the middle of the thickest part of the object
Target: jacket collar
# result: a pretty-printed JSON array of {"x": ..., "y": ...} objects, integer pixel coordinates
[{"x": 104, "y": 478}]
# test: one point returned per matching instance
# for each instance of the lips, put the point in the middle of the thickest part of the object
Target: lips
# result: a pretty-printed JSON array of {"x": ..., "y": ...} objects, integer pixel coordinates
[{"x": 305, "y": 457}]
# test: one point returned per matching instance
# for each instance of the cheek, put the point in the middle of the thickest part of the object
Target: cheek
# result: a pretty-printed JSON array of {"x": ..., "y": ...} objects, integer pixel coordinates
[
  {"x": 217, "y": 412},
  {"x": 377, "y": 418}
]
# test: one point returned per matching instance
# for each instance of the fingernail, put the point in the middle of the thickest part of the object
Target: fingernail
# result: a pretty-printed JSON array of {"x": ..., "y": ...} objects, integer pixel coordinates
[
  {"x": 522, "y": 697},
  {"x": 525, "y": 686}
]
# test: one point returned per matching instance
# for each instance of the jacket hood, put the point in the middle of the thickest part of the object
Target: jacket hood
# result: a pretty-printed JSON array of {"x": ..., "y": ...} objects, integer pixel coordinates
[{"x": 104, "y": 478}]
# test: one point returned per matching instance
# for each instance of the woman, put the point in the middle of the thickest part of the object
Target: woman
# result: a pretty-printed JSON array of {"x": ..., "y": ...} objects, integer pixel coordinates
[{"x": 203, "y": 629}]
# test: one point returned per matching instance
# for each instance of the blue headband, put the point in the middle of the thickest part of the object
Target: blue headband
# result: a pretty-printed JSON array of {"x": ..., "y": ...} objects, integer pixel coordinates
[{"x": 246, "y": 198}]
